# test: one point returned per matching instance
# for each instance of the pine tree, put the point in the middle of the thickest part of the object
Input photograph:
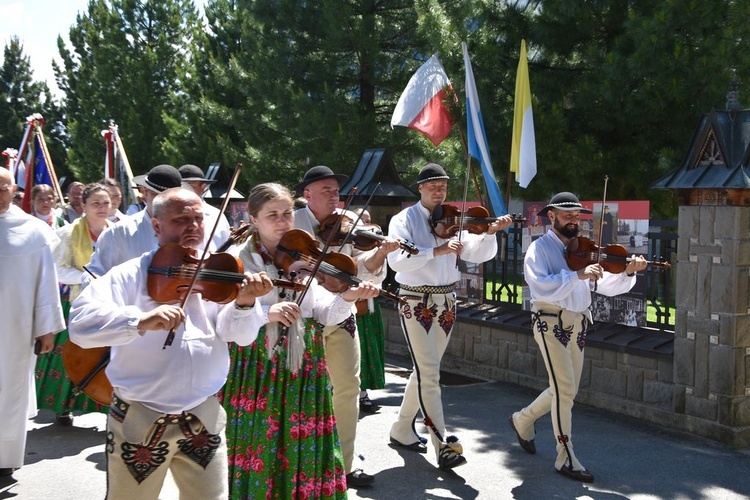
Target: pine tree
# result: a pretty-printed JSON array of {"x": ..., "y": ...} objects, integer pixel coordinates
[
  {"x": 294, "y": 84},
  {"x": 124, "y": 66},
  {"x": 20, "y": 97}
]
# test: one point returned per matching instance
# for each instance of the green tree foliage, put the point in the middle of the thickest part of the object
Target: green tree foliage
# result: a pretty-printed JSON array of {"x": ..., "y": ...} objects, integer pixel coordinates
[
  {"x": 294, "y": 83},
  {"x": 126, "y": 59},
  {"x": 618, "y": 87},
  {"x": 20, "y": 97}
]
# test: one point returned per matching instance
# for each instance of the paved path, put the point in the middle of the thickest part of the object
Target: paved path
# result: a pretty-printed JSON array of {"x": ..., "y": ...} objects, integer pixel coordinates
[{"x": 630, "y": 458}]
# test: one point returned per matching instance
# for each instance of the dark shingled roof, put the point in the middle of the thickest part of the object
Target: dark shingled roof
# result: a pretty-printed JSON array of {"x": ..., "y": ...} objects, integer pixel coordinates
[
  {"x": 718, "y": 156},
  {"x": 376, "y": 165}
]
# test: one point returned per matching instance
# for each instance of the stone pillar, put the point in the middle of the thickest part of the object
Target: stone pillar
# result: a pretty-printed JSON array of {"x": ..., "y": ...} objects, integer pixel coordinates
[{"x": 712, "y": 330}]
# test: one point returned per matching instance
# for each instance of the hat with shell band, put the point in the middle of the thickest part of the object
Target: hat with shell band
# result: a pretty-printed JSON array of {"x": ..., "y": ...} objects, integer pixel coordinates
[{"x": 563, "y": 201}]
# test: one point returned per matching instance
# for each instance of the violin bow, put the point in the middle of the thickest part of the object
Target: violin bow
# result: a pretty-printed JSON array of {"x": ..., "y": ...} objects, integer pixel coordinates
[
  {"x": 224, "y": 204},
  {"x": 318, "y": 262},
  {"x": 359, "y": 217},
  {"x": 601, "y": 228},
  {"x": 327, "y": 245},
  {"x": 601, "y": 222}
]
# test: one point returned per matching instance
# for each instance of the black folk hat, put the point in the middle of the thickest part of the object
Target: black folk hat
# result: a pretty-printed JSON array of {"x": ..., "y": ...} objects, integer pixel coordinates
[
  {"x": 160, "y": 178},
  {"x": 319, "y": 173},
  {"x": 432, "y": 172},
  {"x": 193, "y": 173},
  {"x": 564, "y": 201}
]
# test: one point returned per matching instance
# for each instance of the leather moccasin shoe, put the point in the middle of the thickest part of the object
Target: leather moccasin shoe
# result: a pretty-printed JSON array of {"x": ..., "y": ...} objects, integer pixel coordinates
[
  {"x": 358, "y": 477},
  {"x": 528, "y": 446},
  {"x": 64, "y": 419},
  {"x": 449, "y": 459},
  {"x": 367, "y": 406},
  {"x": 418, "y": 447},
  {"x": 579, "y": 475}
]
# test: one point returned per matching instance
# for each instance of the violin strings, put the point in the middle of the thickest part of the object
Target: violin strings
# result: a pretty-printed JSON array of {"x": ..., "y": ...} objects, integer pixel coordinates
[{"x": 188, "y": 272}]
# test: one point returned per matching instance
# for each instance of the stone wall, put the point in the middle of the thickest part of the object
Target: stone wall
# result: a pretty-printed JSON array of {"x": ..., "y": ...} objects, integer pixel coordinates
[
  {"x": 616, "y": 377},
  {"x": 712, "y": 328}
]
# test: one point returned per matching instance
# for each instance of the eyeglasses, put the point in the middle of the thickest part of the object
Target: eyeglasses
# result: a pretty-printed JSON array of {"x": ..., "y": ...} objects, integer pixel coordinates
[{"x": 45, "y": 200}]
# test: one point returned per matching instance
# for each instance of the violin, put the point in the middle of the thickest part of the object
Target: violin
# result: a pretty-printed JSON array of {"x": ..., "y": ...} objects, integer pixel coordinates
[
  {"x": 364, "y": 236},
  {"x": 581, "y": 251},
  {"x": 173, "y": 267},
  {"x": 446, "y": 220},
  {"x": 337, "y": 272}
]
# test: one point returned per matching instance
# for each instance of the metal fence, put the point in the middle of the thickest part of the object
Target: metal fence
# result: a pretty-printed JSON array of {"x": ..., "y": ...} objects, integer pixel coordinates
[{"x": 503, "y": 276}]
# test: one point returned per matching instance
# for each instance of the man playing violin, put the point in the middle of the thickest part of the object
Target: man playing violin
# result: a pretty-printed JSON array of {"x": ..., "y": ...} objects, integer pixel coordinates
[
  {"x": 320, "y": 187},
  {"x": 427, "y": 282},
  {"x": 164, "y": 415},
  {"x": 560, "y": 300}
]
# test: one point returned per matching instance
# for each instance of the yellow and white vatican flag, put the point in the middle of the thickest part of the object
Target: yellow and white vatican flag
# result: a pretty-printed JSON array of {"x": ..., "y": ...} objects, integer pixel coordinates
[{"x": 523, "y": 145}]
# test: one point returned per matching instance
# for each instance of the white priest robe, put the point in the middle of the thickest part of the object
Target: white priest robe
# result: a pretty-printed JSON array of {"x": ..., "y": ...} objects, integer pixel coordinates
[{"x": 30, "y": 301}]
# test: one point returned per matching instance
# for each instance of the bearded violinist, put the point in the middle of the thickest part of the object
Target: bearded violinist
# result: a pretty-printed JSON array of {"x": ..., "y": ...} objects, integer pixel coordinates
[
  {"x": 320, "y": 187},
  {"x": 427, "y": 281},
  {"x": 560, "y": 300},
  {"x": 164, "y": 414}
]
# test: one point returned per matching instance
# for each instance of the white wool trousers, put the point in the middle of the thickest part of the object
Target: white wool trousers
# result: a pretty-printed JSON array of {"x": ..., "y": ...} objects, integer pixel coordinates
[
  {"x": 343, "y": 359},
  {"x": 427, "y": 321},
  {"x": 560, "y": 335}
]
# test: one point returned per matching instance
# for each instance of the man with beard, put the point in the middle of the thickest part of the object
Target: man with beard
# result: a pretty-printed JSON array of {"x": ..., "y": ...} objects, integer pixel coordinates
[{"x": 560, "y": 300}]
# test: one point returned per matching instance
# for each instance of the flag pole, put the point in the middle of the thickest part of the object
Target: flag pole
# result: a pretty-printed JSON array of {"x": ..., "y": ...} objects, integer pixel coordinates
[
  {"x": 462, "y": 136},
  {"x": 126, "y": 163},
  {"x": 22, "y": 148},
  {"x": 48, "y": 161}
]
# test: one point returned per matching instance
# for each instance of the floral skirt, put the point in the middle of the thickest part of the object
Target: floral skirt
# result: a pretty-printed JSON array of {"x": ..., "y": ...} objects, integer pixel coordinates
[
  {"x": 54, "y": 390},
  {"x": 372, "y": 346},
  {"x": 281, "y": 433}
]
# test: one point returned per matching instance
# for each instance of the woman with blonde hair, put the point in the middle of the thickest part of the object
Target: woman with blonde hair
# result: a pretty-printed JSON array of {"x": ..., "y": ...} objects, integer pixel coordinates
[{"x": 281, "y": 430}]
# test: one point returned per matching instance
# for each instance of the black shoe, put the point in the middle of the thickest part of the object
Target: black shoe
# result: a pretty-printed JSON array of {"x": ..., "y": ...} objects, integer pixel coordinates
[
  {"x": 64, "y": 419},
  {"x": 528, "y": 446},
  {"x": 449, "y": 459},
  {"x": 7, "y": 472},
  {"x": 367, "y": 406},
  {"x": 579, "y": 475},
  {"x": 358, "y": 477},
  {"x": 418, "y": 447}
]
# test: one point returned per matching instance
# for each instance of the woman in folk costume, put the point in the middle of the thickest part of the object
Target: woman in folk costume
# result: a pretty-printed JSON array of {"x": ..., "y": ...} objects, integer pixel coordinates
[
  {"x": 281, "y": 430},
  {"x": 43, "y": 201},
  {"x": 55, "y": 391}
]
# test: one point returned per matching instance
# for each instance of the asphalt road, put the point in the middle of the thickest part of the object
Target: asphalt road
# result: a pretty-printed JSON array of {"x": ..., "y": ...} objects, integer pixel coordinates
[{"x": 629, "y": 458}]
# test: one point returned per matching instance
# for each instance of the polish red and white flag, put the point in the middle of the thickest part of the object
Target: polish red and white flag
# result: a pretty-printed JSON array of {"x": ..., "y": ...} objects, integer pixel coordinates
[{"x": 421, "y": 106}]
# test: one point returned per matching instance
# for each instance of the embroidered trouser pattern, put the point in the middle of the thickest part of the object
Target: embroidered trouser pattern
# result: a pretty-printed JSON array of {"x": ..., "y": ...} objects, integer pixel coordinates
[
  {"x": 179, "y": 443},
  {"x": 427, "y": 322},
  {"x": 561, "y": 339}
]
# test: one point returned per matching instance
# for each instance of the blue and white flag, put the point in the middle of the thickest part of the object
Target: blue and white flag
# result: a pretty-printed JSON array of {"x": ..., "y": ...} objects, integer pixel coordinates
[{"x": 477, "y": 140}]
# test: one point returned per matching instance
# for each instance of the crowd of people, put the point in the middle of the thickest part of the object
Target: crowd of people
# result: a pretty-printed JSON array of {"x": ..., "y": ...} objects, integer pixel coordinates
[{"x": 252, "y": 385}]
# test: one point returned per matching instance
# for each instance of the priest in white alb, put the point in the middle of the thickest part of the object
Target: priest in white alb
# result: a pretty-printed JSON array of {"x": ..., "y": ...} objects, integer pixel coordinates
[{"x": 31, "y": 312}]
